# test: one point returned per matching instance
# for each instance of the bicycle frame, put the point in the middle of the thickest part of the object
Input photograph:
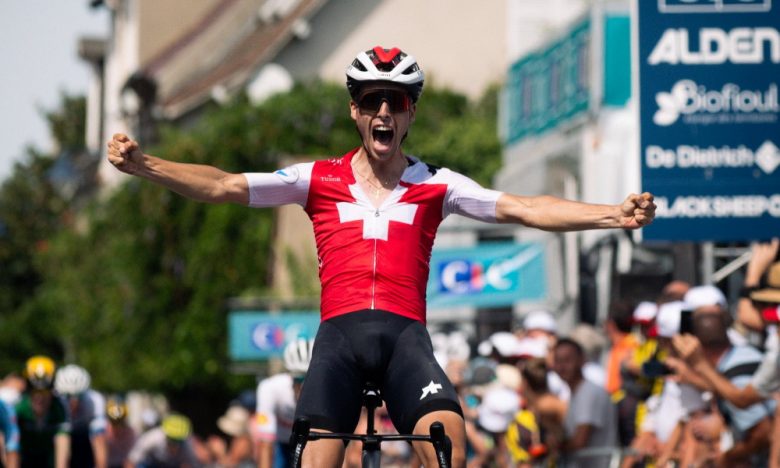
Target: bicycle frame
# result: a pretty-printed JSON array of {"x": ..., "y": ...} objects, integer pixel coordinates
[{"x": 372, "y": 442}]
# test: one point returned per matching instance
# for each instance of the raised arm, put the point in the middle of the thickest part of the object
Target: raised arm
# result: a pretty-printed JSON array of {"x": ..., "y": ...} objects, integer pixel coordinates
[
  {"x": 196, "y": 181},
  {"x": 557, "y": 214}
]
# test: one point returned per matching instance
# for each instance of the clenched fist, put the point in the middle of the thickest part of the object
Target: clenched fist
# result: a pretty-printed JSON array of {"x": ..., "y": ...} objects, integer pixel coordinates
[
  {"x": 125, "y": 154},
  {"x": 637, "y": 211}
]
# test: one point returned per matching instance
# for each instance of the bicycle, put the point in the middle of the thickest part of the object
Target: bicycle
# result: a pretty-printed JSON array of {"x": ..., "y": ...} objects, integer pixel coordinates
[{"x": 372, "y": 442}]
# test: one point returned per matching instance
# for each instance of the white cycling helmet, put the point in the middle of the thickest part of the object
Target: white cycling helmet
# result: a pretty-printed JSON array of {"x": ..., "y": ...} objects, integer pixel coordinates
[
  {"x": 72, "y": 380},
  {"x": 297, "y": 355},
  {"x": 380, "y": 64}
]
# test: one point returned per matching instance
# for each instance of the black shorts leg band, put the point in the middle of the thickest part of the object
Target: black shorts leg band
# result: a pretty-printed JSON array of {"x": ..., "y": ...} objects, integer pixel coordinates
[{"x": 432, "y": 406}]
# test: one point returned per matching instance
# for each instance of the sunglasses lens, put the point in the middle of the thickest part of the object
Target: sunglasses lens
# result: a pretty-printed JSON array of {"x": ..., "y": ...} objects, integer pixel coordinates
[{"x": 372, "y": 101}]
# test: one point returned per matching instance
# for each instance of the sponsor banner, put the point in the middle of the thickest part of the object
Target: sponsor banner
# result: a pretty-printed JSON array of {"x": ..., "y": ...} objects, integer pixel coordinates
[
  {"x": 261, "y": 335},
  {"x": 708, "y": 81},
  {"x": 489, "y": 275}
]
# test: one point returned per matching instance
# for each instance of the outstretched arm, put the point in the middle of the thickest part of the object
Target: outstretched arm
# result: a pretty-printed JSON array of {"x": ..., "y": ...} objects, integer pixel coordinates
[
  {"x": 557, "y": 214},
  {"x": 196, "y": 181}
]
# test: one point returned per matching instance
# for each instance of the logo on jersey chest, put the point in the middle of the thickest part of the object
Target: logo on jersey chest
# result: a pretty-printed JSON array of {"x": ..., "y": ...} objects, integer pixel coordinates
[{"x": 376, "y": 221}]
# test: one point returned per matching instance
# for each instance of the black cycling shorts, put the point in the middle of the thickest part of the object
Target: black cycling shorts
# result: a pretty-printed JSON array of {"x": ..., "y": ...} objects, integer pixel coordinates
[{"x": 387, "y": 349}]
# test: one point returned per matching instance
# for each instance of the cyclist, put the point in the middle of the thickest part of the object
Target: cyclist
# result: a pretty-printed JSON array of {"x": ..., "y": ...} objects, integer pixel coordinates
[
  {"x": 166, "y": 446},
  {"x": 120, "y": 436},
  {"x": 87, "y": 417},
  {"x": 375, "y": 212},
  {"x": 44, "y": 427},
  {"x": 276, "y": 400}
]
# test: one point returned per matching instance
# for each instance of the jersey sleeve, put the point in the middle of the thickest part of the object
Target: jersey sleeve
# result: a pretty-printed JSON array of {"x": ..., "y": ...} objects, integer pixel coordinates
[
  {"x": 266, "y": 410},
  {"x": 99, "y": 422},
  {"x": 285, "y": 186},
  {"x": 467, "y": 198}
]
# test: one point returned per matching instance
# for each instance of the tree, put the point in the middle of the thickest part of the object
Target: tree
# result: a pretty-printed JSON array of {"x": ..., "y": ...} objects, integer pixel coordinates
[{"x": 32, "y": 211}]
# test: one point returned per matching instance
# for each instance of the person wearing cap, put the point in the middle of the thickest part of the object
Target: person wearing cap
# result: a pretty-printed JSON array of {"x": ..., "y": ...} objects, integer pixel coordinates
[
  {"x": 170, "y": 444},
  {"x": 541, "y": 325}
]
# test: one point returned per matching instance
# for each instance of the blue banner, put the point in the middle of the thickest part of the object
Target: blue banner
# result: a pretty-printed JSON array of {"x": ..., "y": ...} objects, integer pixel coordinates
[
  {"x": 262, "y": 335},
  {"x": 490, "y": 275},
  {"x": 710, "y": 117}
]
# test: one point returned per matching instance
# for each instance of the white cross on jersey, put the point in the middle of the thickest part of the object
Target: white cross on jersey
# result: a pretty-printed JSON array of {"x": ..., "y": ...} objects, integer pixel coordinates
[{"x": 376, "y": 221}]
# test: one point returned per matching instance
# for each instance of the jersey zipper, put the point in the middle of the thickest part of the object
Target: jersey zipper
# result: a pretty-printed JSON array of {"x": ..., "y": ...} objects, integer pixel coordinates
[{"x": 373, "y": 274}]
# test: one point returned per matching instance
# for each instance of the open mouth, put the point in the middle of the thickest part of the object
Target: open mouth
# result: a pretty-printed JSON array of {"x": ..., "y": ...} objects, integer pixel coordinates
[{"x": 383, "y": 134}]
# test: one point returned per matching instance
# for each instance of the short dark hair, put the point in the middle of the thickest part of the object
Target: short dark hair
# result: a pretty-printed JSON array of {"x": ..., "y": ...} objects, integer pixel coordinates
[
  {"x": 621, "y": 313},
  {"x": 534, "y": 373},
  {"x": 569, "y": 342}
]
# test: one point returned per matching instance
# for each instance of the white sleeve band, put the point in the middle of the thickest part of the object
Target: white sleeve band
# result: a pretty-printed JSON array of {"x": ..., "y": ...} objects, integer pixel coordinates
[
  {"x": 288, "y": 185},
  {"x": 467, "y": 198}
]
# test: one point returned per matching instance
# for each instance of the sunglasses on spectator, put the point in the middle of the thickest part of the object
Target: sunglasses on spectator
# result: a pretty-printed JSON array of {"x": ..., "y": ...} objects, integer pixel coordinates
[{"x": 372, "y": 100}]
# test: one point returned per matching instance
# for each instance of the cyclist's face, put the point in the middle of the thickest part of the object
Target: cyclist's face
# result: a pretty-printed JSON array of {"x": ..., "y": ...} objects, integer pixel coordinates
[{"x": 383, "y": 114}]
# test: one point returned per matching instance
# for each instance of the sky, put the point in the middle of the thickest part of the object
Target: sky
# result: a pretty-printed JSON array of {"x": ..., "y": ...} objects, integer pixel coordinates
[{"x": 39, "y": 57}]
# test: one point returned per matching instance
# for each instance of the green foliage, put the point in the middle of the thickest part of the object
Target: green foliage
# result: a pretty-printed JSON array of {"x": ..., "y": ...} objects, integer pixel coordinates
[
  {"x": 136, "y": 290},
  {"x": 68, "y": 131}
]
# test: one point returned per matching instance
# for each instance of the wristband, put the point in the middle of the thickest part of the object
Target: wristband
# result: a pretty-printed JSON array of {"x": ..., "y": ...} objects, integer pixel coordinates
[{"x": 746, "y": 291}]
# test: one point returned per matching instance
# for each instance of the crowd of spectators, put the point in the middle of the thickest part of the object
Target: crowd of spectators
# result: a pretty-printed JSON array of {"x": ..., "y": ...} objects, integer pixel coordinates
[{"x": 684, "y": 380}]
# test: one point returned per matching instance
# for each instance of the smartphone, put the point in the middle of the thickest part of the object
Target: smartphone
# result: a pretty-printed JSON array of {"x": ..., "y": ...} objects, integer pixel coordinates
[
  {"x": 654, "y": 368},
  {"x": 686, "y": 322}
]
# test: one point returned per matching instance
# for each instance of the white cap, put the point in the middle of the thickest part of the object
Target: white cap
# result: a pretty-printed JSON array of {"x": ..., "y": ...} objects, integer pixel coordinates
[
  {"x": 497, "y": 409},
  {"x": 504, "y": 343},
  {"x": 540, "y": 320},
  {"x": 701, "y": 296},
  {"x": 645, "y": 312},
  {"x": 531, "y": 348},
  {"x": 668, "y": 319}
]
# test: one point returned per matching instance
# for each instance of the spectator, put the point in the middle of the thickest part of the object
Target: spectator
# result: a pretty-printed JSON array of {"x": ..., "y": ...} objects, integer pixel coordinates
[
  {"x": 591, "y": 419},
  {"x": 43, "y": 418},
  {"x": 621, "y": 385},
  {"x": 541, "y": 324},
  {"x": 750, "y": 427},
  {"x": 87, "y": 409},
  {"x": 593, "y": 343},
  {"x": 662, "y": 428},
  {"x": 623, "y": 343},
  {"x": 120, "y": 437},
  {"x": 495, "y": 412},
  {"x": 537, "y": 427},
  {"x": 169, "y": 444},
  {"x": 237, "y": 452}
]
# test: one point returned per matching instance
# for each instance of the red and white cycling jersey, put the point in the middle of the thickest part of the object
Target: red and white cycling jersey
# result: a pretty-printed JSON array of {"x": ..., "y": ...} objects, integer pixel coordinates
[{"x": 373, "y": 257}]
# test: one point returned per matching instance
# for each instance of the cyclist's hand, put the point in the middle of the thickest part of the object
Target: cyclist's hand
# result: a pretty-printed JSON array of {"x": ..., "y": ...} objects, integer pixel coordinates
[
  {"x": 637, "y": 211},
  {"x": 125, "y": 154}
]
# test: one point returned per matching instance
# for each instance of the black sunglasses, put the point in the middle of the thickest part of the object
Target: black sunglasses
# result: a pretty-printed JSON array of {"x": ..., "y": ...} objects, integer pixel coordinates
[{"x": 397, "y": 100}]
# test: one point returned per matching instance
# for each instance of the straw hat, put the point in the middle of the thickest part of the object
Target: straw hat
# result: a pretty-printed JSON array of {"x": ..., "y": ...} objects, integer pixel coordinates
[{"x": 234, "y": 422}]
